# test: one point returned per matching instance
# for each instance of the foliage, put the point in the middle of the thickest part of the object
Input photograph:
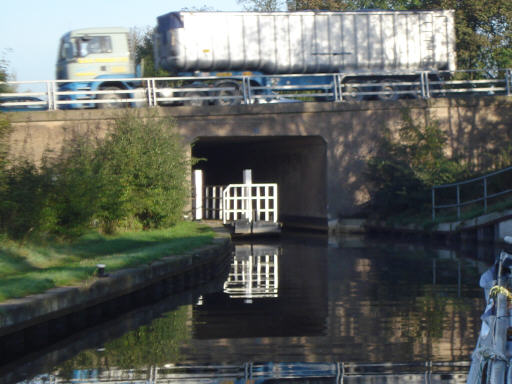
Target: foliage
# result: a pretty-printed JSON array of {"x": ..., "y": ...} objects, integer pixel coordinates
[
  {"x": 203, "y": 8},
  {"x": 404, "y": 168},
  {"x": 155, "y": 344},
  {"x": 142, "y": 173},
  {"x": 483, "y": 29},
  {"x": 262, "y": 5},
  {"x": 345, "y": 5},
  {"x": 423, "y": 145},
  {"x": 135, "y": 177},
  {"x": 142, "y": 47},
  {"x": 35, "y": 266},
  {"x": 4, "y": 72},
  {"x": 5, "y": 129},
  {"x": 22, "y": 198}
]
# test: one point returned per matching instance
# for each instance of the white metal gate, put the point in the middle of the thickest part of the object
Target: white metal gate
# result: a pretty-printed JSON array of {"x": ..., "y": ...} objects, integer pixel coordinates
[
  {"x": 253, "y": 202},
  {"x": 213, "y": 202},
  {"x": 234, "y": 202}
]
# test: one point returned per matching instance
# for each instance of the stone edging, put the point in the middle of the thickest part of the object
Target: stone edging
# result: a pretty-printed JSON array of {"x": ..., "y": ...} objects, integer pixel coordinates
[
  {"x": 363, "y": 226},
  {"x": 18, "y": 314}
]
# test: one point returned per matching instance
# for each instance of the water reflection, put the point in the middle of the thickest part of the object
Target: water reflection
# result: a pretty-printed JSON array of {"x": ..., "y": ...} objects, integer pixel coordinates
[
  {"x": 270, "y": 373},
  {"x": 385, "y": 312},
  {"x": 254, "y": 272}
]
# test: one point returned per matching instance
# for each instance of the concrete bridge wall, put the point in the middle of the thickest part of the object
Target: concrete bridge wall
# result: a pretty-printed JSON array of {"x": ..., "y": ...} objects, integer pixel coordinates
[{"x": 318, "y": 151}]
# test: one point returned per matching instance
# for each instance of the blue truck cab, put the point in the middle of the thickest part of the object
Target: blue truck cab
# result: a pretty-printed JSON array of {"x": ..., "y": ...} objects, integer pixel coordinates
[{"x": 95, "y": 59}]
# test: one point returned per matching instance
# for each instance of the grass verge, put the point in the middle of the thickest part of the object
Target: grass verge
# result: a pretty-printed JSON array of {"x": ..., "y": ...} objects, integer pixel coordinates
[
  {"x": 35, "y": 266},
  {"x": 424, "y": 219}
]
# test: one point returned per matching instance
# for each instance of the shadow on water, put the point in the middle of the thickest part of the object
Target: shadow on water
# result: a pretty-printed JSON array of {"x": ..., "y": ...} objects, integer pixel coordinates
[
  {"x": 302, "y": 309},
  {"x": 111, "y": 329}
]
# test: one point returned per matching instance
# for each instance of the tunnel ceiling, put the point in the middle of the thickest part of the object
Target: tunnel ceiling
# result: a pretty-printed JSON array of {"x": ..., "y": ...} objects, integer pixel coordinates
[{"x": 202, "y": 143}]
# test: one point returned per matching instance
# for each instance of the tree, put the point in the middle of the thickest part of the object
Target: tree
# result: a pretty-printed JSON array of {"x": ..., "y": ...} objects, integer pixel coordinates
[
  {"x": 484, "y": 31},
  {"x": 142, "y": 48},
  {"x": 135, "y": 177},
  {"x": 142, "y": 172},
  {"x": 262, "y": 5},
  {"x": 403, "y": 169},
  {"x": 4, "y": 73},
  {"x": 349, "y": 5},
  {"x": 483, "y": 27},
  {"x": 204, "y": 8}
]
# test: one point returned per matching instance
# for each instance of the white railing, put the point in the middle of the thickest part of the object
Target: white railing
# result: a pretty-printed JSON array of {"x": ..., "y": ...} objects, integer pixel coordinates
[
  {"x": 215, "y": 90},
  {"x": 252, "y": 202},
  {"x": 213, "y": 202}
]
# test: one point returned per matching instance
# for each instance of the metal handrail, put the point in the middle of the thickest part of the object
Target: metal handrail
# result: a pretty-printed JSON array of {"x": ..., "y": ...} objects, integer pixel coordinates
[
  {"x": 330, "y": 86},
  {"x": 460, "y": 204}
]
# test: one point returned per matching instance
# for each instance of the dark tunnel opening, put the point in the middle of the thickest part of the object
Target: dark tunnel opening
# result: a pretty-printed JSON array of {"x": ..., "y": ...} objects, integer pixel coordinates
[{"x": 298, "y": 164}]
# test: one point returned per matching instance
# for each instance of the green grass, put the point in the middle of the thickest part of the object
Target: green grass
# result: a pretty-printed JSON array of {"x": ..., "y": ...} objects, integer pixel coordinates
[
  {"x": 424, "y": 219},
  {"x": 475, "y": 211},
  {"x": 35, "y": 266}
]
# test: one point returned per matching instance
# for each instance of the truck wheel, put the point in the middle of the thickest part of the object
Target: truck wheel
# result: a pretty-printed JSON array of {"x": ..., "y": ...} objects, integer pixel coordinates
[
  {"x": 414, "y": 91},
  {"x": 194, "y": 99},
  {"x": 110, "y": 96},
  {"x": 228, "y": 96},
  {"x": 352, "y": 91},
  {"x": 389, "y": 90}
]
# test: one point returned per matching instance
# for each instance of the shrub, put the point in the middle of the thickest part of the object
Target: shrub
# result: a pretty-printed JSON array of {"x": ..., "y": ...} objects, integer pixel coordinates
[
  {"x": 21, "y": 190},
  {"x": 403, "y": 171},
  {"x": 72, "y": 198},
  {"x": 22, "y": 198},
  {"x": 143, "y": 173},
  {"x": 135, "y": 177}
]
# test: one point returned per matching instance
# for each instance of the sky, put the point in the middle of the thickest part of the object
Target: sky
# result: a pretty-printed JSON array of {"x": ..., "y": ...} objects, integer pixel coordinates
[{"x": 30, "y": 29}]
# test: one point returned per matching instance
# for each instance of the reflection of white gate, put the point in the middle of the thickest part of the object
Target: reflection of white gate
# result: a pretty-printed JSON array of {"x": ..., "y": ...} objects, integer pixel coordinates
[
  {"x": 254, "y": 272},
  {"x": 252, "y": 202}
]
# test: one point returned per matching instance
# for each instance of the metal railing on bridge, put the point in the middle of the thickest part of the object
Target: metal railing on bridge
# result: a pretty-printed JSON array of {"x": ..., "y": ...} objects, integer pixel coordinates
[
  {"x": 478, "y": 190},
  {"x": 198, "y": 91}
]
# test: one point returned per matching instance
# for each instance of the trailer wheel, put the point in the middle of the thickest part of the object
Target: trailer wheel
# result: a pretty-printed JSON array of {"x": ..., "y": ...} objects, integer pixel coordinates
[
  {"x": 229, "y": 96},
  {"x": 352, "y": 91},
  {"x": 110, "y": 96},
  {"x": 389, "y": 90}
]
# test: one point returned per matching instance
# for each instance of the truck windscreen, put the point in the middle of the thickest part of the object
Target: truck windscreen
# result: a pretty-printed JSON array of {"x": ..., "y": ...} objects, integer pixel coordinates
[{"x": 93, "y": 44}]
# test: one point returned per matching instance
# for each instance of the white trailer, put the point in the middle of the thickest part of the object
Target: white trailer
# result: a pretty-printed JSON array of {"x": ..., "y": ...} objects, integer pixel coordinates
[{"x": 361, "y": 42}]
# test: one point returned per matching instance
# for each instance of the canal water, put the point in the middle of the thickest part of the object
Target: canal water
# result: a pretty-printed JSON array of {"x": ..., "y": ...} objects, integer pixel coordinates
[{"x": 303, "y": 309}]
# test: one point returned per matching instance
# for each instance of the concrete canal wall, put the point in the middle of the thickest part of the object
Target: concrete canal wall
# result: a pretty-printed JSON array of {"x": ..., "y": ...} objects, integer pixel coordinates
[{"x": 485, "y": 229}]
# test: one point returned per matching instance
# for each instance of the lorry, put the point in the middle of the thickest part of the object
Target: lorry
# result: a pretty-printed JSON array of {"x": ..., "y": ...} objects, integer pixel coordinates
[
  {"x": 215, "y": 52},
  {"x": 102, "y": 54}
]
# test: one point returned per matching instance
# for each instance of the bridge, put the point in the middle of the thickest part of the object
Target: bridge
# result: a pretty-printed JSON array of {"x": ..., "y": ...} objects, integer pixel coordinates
[{"x": 316, "y": 152}]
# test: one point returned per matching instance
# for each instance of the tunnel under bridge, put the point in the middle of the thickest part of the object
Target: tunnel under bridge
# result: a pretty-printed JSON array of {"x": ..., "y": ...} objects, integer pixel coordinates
[{"x": 296, "y": 164}]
